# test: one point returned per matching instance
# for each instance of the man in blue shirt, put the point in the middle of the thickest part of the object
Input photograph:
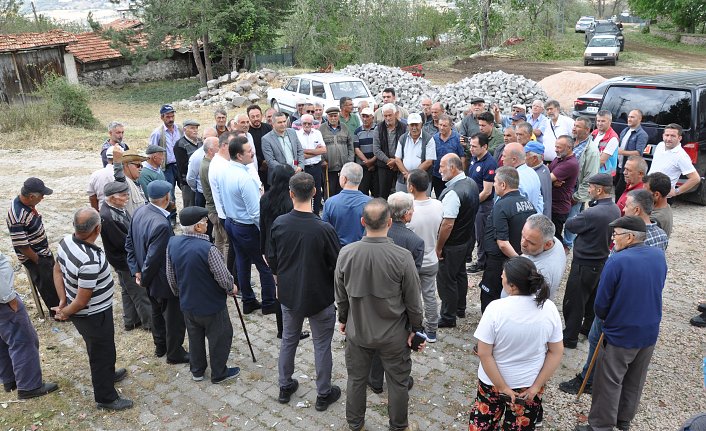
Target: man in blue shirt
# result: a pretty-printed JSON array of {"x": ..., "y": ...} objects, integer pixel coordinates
[
  {"x": 344, "y": 210},
  {"x": 447, "y": 141},
  {"x": 629, "y": 298},
  {"x": 482, "y": 171},
  {"x": 242, "y": 207}
]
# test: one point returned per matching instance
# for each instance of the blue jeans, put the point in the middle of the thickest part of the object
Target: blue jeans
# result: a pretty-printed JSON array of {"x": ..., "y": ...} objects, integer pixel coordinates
[
  {"x": 569, "y": 236},
  {"x": 19, "y": 348},
  {"x": 246, "y": 241},
  {"x": 593, "y": 336}
]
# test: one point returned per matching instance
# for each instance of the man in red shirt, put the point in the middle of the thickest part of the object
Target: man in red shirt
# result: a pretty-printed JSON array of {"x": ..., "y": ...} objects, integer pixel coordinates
[{"x": 634, "y": 170}]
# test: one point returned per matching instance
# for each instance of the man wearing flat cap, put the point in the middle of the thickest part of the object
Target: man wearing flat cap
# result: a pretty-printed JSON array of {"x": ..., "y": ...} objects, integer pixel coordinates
[
  {"x": 166, "y": 135},
  {"x": 591, "y": 248},
  {"x": 469, "y": 124},
  {"x": 629, "y": 299},
  {"x": 146, "y": 246},
  {"x": 339, "y": 148},
  {"x": 199, "y": 277},
  {"x": 127, "y": 167},
  {"x": 30, "y": 241},
  {"x": 183, "y": 149},
  {"x": 152, "y": 168},
  {"x": 115, "y": 221}
]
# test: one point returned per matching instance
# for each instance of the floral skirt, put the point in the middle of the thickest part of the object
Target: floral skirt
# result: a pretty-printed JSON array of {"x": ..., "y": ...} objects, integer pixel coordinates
[{"x": 490, "y": 413}]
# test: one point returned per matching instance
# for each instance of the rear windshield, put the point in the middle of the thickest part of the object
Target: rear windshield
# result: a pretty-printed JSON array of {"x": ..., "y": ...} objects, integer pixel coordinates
[
  {"x": 352, "y": 89},
  {"x": 605, "y": 28},
  {"x": 659, "y": 106}
]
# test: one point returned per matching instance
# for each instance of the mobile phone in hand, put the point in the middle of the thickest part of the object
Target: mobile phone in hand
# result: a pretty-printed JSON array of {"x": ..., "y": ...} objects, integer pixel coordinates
[{"x": 419, "y": 338}]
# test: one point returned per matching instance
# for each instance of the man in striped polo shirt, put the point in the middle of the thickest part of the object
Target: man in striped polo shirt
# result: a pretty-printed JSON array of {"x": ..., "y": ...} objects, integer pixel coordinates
[
  {"x": 30, "y": 240},
  {"x": 85, "y": 287}
]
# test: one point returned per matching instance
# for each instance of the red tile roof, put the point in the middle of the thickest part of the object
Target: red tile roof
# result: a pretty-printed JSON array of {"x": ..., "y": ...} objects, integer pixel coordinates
[
  {"x": 20, "y": 41},
  {"x": 122, "y": 24},
  {"x": 90, "y": 47}
]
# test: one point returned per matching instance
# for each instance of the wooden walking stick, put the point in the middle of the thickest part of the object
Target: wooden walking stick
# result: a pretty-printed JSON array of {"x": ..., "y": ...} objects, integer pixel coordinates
[
  {"x": 590, "y": 368},
  {"x": 35, "y": 294}
]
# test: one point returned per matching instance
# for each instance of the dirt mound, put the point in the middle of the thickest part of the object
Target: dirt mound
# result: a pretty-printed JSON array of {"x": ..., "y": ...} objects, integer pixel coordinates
[{"x": 568, "y": 85}]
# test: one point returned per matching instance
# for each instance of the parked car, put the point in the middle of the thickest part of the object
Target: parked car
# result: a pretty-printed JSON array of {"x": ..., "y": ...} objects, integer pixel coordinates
[
  {"x": 605, "y": 27},
  {"x": 603, "y": 48},
  {"x": 325, "y": 88},
  {"x": 583, "y": 23},
  {"x": 587, "y": 104},
  {"x": 663, "y": 99}
]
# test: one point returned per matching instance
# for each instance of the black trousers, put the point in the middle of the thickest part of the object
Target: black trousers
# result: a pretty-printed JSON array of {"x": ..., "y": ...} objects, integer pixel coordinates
[
  {"x": 559, "y": 220},
  {"x": 217, "y": 329},
  {"x": 199, "y": 199},
  {"x": 168, "y": 327},
  {"x": 619, "y": 183},
  {"x": 386, "y": 181},
  {"x": 452, "y": 281},
  {"x": 98, "y": 333},
  {"x": 318, "y": 174},
  {"x": 579, "y": 298},
  {"x": 438, "y": 185},
  {"x": 334, "y": 187},
  {"x": 42, "y": 275},
  {"x": 491, "y": 285},
  {"x": 369, "y": 184}
]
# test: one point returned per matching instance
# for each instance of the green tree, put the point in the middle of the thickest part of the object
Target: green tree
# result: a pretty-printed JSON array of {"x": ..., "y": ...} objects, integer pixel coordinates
[{"x": 685, "y": 14}]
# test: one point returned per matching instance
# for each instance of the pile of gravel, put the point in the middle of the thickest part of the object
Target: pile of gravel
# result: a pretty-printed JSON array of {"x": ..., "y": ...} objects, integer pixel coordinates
[
  {"x": 409, "y": 89},
  {"x": 233, "y": 90}
]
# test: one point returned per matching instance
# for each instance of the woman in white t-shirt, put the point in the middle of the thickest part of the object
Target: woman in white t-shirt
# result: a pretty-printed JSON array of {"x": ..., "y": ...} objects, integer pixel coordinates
[{"x": 520, "y": 346}]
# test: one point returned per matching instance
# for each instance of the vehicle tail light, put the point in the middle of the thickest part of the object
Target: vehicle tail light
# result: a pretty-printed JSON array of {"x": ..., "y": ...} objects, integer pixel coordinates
[
  {"x": 579, "y": 104},
  {"x": 692, "y": 149}
]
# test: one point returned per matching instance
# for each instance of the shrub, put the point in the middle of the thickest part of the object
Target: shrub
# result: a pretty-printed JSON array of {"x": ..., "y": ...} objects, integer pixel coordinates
[
  {"x": 25, "y": 117},
  {"x": 69, "y": 101}
]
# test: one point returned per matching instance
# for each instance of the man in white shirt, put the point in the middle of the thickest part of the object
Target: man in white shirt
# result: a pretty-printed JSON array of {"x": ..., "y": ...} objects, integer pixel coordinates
[
  {"x": 670, "y": 158},
  {"x": 558, "y": 125},
  {"x": 416, "y": 150},
  {"x": 606, "y": 141},
  {"x": 530, "y": 185},
  {"x": 426, "y": 220},
  {"x": 314, "y": 146},
  {"x": 98, "y": 180}
]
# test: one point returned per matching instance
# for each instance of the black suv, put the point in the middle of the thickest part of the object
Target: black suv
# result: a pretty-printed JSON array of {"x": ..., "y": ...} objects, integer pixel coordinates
[
  {"x": 673, "y": 98},
  {"x": 605, "y": 27}
]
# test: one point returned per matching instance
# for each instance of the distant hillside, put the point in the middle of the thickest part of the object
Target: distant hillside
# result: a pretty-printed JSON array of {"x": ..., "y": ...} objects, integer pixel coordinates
[{"x": 75, "y": 10}]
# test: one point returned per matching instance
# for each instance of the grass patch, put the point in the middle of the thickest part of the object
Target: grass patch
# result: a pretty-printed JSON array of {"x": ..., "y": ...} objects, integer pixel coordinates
[
  {"x": 158, "y": 92},
  {"x": 568, "y": 46},
  {"x": 658, "y": 42}
]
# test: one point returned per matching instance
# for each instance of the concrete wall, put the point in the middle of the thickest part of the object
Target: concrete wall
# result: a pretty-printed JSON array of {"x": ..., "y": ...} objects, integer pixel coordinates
[
  {"x": 70, "y": 68},
  {"x": 152, "y": 71}
]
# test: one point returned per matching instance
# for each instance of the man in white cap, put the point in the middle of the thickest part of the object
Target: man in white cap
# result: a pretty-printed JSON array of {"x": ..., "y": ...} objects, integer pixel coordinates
[{"x": 416, "y": 149}]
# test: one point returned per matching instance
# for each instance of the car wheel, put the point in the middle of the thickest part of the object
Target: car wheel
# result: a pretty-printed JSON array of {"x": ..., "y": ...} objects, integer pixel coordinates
[
  {"x": 275, "y": 105},
  {"x": 585, "y": 62}
]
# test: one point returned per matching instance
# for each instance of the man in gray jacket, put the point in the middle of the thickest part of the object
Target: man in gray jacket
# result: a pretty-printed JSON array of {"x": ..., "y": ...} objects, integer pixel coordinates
[
  {"x": 281, "y": 146},
  {"x": 379, "y": 309}
]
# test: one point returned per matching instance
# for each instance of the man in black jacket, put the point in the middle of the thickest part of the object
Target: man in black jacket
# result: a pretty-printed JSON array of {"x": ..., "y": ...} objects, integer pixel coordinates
[
  {"x": 385, "y": 141},
  {"x": 304, "y": 290},
  {"x": 183, "y": 149},
  {"x": 115, "y": 222}
]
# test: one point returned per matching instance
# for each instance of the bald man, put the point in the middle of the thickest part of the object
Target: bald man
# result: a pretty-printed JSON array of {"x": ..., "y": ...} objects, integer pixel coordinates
[{"x": 530, "y": 186}]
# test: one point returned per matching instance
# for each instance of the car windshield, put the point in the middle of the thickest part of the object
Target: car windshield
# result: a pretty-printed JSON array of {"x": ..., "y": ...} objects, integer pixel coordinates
[
  {"x": 352, "y": 89},
  {"x": 586, "y": 20},
  {"x": 606, "y": 28},
  {"x": 602, "y": 42},
  {"x": 659, "y": 106}
]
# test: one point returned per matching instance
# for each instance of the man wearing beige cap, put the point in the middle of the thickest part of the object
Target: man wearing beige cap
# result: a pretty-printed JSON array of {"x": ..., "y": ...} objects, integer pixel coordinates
[
  {"x": 127, "y": 166},
  {"x": 363, "y": 138}
]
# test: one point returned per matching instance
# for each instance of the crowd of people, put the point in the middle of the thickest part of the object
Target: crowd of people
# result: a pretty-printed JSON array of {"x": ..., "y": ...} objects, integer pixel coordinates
[{"x": 394, "y": 205}]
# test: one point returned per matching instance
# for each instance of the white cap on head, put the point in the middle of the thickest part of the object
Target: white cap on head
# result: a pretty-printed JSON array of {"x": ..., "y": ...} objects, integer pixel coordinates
[
  {"x": 109, "y": 152},
  {"x": 414, "y": 119},
  {"x": 366, "y": 111}
]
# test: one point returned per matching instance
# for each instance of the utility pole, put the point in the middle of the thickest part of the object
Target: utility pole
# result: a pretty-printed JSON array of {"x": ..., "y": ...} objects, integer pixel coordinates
[{"x": 36, "y": 18}]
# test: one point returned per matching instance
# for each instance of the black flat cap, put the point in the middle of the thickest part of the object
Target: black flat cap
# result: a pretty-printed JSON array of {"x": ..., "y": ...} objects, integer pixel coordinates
[
  {"x": 601, "y": 180},
  {"x": 633, "y": 223},
  {"x": 189, "y": 216},
  {"x": 115, "y": 187}
]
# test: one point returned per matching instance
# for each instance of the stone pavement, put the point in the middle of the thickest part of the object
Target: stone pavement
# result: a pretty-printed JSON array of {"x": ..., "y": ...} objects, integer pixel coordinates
[{"x": 167, "y": 399}]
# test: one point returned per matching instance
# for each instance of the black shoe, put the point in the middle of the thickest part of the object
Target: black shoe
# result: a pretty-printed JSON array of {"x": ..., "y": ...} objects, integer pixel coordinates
[
  {"x": 572, "y": 386},
  {"x": 374, "y": 389},
  {"x": 410, "y": 383},
  {"x": 322, "y": 403},
  {"x": 34, "y": 393},
  {"x": 699, "y": 321},
  {"x": 701, "y": 307},
  {"x": 272, "y": 309},
  {"x": 233, "y": 372},
  {"x": 120, "y": 374},
  {"x": 249, "y": 307},
  {"x": 182, "y": 360},
  {"x": 461, "y": 314},
  {"x": 160, "y": 351},
  {"x": 118, "y": 404},
  {"x": 475, "y": 268},
  {"x": 570, "y": 344},
  {"x": 447, "y": 323},
  {"x": 129, "y": 328},
  {"x": 9, "y": 387},
  {"x": 623, "y": 425},
  {"x": 286, "y": 393}
]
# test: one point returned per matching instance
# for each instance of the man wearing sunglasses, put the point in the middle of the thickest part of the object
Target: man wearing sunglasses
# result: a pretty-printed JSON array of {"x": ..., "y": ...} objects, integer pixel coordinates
[{"x": 127, "y": 166}]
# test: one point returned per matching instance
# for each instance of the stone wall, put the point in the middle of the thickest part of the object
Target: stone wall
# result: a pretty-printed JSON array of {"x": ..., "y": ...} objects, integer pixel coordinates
[
  {"x": 685, "y": 38},
  {"x": 152, "y": 71}
]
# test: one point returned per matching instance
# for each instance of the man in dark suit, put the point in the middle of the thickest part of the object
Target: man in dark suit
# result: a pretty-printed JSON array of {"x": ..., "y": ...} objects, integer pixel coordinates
[
  {"x": 146, "y": 245},
  {"x": 115, "y": 222},
  {"x": 632, "y": 142},
  {"x": 281, "y": 146}
]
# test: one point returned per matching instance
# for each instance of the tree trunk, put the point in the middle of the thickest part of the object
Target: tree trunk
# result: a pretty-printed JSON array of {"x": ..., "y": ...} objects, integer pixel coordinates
[
  {"x": 197, "y": 59},
  {"x": 207, "y": 57},
  {"x": 485, "y": 25}
]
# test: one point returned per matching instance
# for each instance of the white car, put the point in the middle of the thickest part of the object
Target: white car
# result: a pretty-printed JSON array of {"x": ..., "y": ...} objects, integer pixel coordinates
[
  {"x": 602, "y": 49},
  {"x": 324, "y": 88},
  {"x": 583, "y": 23}
]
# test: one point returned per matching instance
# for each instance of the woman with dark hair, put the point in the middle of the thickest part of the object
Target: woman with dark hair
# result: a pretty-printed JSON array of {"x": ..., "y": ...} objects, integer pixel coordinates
[
  {"x": 520, "y": 345},
  {"x": 274, "y": 203}
]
